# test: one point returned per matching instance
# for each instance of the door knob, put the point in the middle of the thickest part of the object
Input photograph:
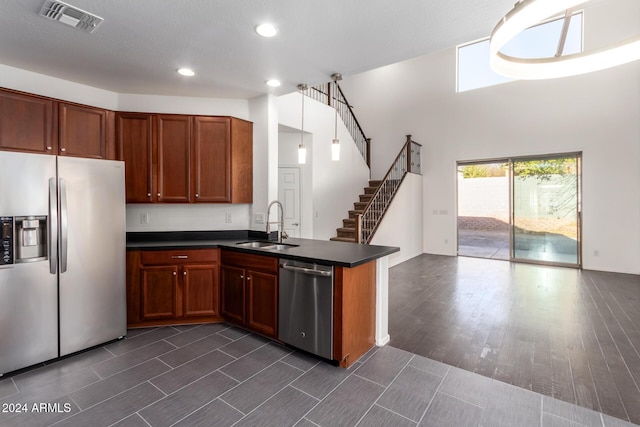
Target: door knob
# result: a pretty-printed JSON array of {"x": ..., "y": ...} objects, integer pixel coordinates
[{"x": 295, "y": 224}]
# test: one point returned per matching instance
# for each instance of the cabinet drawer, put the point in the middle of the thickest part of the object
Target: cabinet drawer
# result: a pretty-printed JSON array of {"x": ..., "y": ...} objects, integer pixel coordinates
[
  {"x": 179, "y": 257},
  {"x": 250, "y": 261}
]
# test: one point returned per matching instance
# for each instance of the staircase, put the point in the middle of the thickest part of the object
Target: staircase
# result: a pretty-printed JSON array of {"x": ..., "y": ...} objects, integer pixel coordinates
[
  {"x": 368, "y": 212},
  {"x": 347, "y": 233}
]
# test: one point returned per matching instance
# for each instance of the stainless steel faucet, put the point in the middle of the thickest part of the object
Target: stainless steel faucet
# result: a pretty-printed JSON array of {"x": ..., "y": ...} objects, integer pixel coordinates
[{"x": 281, "y": 233}]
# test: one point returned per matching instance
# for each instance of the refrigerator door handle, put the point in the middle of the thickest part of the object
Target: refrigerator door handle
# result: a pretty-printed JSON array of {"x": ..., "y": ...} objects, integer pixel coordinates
[
  {"x": 53, "y": 226},
  {"x": 63, "y": 226}
]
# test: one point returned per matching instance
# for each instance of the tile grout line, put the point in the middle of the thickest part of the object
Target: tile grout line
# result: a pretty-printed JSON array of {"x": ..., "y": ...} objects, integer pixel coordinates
[
  {"x": 375, "y": 402},
  {"x": 435, "y": 393}
]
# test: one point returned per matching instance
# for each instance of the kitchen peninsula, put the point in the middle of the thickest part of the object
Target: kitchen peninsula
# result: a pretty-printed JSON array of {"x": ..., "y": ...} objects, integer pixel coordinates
[{"x": 233, "y": 276}]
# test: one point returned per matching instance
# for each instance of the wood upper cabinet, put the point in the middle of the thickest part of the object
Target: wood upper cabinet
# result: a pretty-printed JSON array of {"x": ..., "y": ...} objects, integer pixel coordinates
[
  {"x": 165, "y": 287},
  {"x": 135, "y": 147},
  {"x": 82, "y": 131},
  {"x": 249, "y": 289},
  {"x": 26, "y": 123},
  {"x": 185, "y": 159},
  {"x": 223, "y": 160},
  {"x": 173, "y": 142}
]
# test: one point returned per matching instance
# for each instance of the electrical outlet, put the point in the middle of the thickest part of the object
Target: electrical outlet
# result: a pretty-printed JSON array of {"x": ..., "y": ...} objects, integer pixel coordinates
[
  {"x": 144, "y": 218},
  {"x": 228, "y": 218},
  {"x": 259, "y": 218},
  {"x": 596, "y": 252}
]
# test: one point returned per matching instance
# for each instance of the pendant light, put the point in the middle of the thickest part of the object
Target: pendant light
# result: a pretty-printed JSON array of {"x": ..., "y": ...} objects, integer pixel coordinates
[
  {"x": 335, "y": 145},
  {"x": 302, "y": 150}
]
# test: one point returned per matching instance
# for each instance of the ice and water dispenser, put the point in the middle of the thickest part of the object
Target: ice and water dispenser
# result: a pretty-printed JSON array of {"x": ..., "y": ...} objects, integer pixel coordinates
[{"x": 24, "y": 239}]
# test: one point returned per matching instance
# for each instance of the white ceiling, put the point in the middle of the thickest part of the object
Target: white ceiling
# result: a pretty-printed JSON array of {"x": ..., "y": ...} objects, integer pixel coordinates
[{"x": 141, "y": 43}]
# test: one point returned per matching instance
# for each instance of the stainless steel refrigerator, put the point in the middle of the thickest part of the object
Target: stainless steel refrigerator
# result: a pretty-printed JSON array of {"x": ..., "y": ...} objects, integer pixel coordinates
[{"x": 62, "y": 256}]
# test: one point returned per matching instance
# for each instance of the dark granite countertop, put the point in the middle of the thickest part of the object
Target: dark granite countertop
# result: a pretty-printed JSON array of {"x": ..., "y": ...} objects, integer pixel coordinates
[{"x": 307, "y": 250}]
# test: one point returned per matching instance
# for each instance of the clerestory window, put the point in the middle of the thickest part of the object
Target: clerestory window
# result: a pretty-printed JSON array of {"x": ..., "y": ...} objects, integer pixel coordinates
[{"x": 540, "y": 41}]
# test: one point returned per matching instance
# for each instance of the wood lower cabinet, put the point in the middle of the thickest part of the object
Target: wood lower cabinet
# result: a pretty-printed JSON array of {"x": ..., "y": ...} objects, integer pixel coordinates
[
  {"x": 354, "y": 312},
  {"x": 249, "y": 291},
  {"x": 165, "y": 287}
]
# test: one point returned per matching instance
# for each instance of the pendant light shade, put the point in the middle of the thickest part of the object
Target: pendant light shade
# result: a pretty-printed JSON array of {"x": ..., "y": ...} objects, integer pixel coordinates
[{"x": 302, "y": 150}]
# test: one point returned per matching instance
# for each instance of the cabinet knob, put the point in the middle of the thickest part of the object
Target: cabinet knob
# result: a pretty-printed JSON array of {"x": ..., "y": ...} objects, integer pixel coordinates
[
  {"x": 197, "y": 195},
  {"x": 49, "y": 148},
  {"x": 63, "y": 149},
  {"x": 249, "y": 278},
  {"x": 158, "y": 194},
  {"x": 174, "y": 273},
  {"x": 241, "y": 276},
  {"x": 148, "y": 194},
  {"x": 184, "y": 273}
]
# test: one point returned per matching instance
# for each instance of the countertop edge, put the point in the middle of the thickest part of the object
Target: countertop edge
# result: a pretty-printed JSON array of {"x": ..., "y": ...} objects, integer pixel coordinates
[{"x": 379, "y": 251}]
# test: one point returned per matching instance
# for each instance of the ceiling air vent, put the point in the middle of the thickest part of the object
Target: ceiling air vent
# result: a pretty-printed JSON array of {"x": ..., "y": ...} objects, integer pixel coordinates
[{"x": 70, "y": 15}]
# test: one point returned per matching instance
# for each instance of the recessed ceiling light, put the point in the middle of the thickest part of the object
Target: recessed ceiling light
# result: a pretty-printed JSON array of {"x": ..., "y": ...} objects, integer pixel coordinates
[
  {"x": 273, "y": 83},
  {"x": 186, "y": 72},
  {"x": 266, "y": 30}
]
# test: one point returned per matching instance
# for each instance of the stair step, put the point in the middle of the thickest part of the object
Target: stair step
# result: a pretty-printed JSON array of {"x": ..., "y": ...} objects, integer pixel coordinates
[
  {"x": 343, "y": 239},
  {"x": 359, "y": 205},
  {"x": 353, "y": 213},
  {"x": 375, "y": 183},
  {"x": 349, "y": 222},
  {"x": 347, "y": 232},
  {"x": 370, "y": 190},
  {"x": 365, "y": 197}
]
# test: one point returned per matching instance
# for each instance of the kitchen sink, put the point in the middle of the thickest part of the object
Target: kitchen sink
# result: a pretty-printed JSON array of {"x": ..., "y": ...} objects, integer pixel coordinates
[
  {"x": 266, "y": 245},
  {"x": 255, "y": 244},
  {"x": 280, "y": 246}
]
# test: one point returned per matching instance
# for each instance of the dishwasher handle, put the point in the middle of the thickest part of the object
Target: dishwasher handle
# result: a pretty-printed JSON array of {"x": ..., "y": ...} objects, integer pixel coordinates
[{"x": 312, "y": 271}]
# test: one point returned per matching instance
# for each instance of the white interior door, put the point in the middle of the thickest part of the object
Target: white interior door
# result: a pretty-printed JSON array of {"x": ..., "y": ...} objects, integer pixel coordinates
[{"x": 289, "y": 196}]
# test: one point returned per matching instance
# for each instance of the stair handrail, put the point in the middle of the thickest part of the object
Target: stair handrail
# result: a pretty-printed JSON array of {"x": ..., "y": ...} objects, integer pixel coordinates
[
  {"x": 345, "y": 111},
  {"x": 407, "y": 160},
  {"x": 331, "y": 94}
]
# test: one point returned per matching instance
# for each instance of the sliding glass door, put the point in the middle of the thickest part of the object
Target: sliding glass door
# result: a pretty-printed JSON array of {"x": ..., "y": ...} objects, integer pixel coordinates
[
  {"x": 546, "y": 209},
  {"x": 535, "y": 199}
]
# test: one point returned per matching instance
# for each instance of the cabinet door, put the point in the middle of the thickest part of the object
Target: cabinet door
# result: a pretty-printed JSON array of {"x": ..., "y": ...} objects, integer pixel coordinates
[
  {"x": 212, "y": 168},
  {"x": 82, "y": 131},
  {"x": 200, "y": 284},
  {"x": 241, "y": 161},
  {"x": 263, "y": 302},
  {"x": 159, "y": 292},
  {"x": 173, "y": 135},
  {"x": 135, "y": 148},
  {"x": 232, "y": 293},
  {"x": 26, "y": 123}
]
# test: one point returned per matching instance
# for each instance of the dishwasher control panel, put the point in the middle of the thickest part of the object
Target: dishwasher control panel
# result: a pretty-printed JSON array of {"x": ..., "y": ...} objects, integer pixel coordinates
[{"x": 6, "y": 240}]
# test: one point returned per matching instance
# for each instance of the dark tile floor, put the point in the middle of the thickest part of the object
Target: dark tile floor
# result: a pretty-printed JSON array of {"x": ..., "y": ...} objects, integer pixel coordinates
[
  {"x": 566, "y": 333},
  {"x": 216, "y": 375}
]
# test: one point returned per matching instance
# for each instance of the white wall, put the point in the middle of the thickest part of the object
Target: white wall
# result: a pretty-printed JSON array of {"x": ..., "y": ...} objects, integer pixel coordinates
[
  {"x": 402, "y": 224},
  {"x": 336, "y": 185},
  {"x": 40, "y": 84},
  {"x": 596, "y": 113}
]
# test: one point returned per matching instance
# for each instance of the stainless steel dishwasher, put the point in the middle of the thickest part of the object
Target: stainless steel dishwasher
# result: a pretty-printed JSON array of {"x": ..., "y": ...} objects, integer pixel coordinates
[{"x": 306, "y": 307}]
